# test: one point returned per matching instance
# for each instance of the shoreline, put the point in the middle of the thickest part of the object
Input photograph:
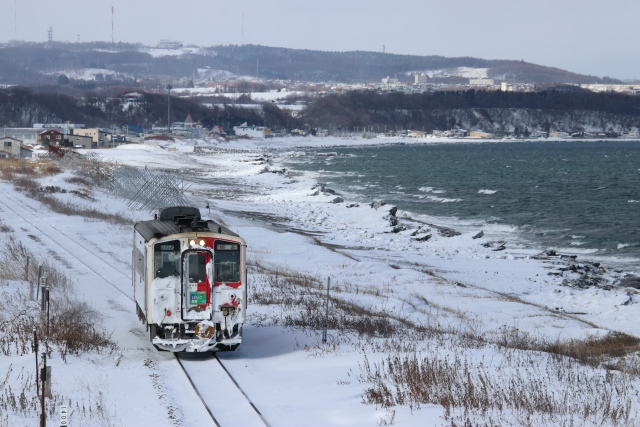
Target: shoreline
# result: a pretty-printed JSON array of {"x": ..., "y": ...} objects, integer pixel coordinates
[{"x": 235, "y": 179}]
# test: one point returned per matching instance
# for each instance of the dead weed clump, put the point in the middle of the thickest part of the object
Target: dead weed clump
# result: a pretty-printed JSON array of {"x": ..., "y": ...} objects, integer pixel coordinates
[
  {"x": 523, "y": 389},
  {"x": 4, "y": 228},
  {"x": 34, "y": 168},
  {"x": 607, "y": 351},
  {"x": 302, "y": 299}
]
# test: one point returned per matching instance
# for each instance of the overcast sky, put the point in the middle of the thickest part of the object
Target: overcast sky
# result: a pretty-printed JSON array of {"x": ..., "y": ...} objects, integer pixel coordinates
[{"x": 598, "y": 37}]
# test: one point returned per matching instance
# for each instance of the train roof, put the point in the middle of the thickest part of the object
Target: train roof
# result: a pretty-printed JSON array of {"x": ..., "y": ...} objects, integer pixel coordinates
[{"x": 176, "y": 220}]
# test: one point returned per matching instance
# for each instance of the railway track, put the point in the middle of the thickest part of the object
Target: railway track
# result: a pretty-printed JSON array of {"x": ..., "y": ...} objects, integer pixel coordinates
[{"x": 221, "y": 395}]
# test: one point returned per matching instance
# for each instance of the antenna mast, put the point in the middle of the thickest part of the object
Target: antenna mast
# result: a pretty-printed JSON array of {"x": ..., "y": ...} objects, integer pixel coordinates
[{"x": 111, "y": 24}]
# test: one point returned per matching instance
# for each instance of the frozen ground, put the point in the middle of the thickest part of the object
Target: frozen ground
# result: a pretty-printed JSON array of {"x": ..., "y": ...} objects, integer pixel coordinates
[
  {"x": 88, "y": 73},
  {"x": 452, "y": 284}
]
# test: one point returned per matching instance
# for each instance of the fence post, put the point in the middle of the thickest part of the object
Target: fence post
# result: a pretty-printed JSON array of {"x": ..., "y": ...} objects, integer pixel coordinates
[
  {"x": 35, "y": 351},
  {"x": 43, "y": 378},
  {"x": 26, "y": 279},
  {"x": 47, "y": 287},
  {"x": 326, "y": 313},
  {"x": 39, "y": 278}
]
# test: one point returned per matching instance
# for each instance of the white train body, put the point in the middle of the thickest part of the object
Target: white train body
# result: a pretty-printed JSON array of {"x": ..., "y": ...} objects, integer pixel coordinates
[{"x": 189, "y": 281}]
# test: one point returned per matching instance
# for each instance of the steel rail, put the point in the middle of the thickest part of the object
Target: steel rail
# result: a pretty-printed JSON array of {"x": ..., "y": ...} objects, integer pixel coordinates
[{"x": 131, "y": 299}]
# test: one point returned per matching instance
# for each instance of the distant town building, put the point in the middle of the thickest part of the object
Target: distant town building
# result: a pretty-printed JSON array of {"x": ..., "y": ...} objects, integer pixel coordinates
[
  {"x": 9, "y": 147},
  {"x": 50, "y": 137},
  {"x": 390, "y": 81},
  {"x": 506, "y": 87},
  {"x": 78, "y": 141},
  {"x": 558, "y": 134},
  {"x": 58, "y": 125},
  {"x": 420, "y": 79},
  {"x": 252, "y": 131},
  {"x": 99, "y": 136},
  {"x": 169, "y": 44},
  {"x": 481, "y": 82},
  {"x": 26, "y": 135},
  {"x": 481, "y": 135},
  {"x": 132, "y": 96}
]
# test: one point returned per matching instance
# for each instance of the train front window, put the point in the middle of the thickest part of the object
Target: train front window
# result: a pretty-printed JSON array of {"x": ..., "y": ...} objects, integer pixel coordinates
[
  {"x": 197, "y": 265},
  {"x": 166, "y": 259},
  {"x": 227, "y": 262}
]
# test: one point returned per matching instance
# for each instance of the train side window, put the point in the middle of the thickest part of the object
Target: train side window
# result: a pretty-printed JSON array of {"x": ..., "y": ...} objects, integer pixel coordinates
[
  {"x": 227, "y": 262},
  {"x": 166, "y": 259}
]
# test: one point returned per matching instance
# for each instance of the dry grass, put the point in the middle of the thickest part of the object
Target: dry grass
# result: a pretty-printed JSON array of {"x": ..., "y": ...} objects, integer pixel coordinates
[
  {"x": 533, "y": 381},
  {"x": 32, "y": 189},
  {"x": 524, "y": 388},
  {"x": 33, "y": 168}
]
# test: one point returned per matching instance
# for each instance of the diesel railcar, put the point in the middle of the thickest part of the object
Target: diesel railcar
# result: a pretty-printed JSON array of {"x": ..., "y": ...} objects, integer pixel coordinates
[{"x": 189, "y": 281}]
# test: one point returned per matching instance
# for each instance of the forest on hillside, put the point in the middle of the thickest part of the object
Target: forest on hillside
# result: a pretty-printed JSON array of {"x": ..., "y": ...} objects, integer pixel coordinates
[
  {"x": 430, "y": 111},
  {"x": 42, "y": 63},
  {"x": 557, "y": 108}
]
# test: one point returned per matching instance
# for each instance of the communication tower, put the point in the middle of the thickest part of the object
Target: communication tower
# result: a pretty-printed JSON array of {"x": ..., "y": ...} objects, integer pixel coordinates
[{"x": 50, "y": 34}]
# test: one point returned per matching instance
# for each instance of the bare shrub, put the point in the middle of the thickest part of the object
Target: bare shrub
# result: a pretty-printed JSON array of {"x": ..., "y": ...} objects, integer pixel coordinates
[
  {"x": 74, "y": 326},
  {"x": 78, "y": 181},
  {"x": 4, "y": 228}
]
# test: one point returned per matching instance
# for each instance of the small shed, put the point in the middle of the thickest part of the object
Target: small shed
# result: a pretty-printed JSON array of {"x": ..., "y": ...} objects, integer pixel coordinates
[{"x": 26, "y": 151}]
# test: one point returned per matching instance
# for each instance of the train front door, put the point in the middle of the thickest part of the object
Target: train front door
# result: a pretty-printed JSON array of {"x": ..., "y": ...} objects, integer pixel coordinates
[{"x": 197, "y": 281}]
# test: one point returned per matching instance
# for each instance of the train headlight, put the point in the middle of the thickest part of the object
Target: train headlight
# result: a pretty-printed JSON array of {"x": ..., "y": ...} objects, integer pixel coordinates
[
  {"x": 192, "y": 242},
  {"x": 201, "y": 242},
  {"x": 225, "y": 311}
]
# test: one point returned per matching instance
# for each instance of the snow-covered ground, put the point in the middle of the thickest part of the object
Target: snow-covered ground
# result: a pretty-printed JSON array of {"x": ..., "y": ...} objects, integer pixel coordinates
[
  {"x": 468, "y": 72},
  {"x": 88, "y": 73},
  {"x": 211, "y": 91},
  {"x": 157, "y": 52},
  {"x": 291, "y": 225}
]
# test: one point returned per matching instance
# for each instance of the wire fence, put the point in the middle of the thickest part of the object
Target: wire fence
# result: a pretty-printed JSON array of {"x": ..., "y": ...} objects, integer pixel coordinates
[{"x": 141, "y": 188}]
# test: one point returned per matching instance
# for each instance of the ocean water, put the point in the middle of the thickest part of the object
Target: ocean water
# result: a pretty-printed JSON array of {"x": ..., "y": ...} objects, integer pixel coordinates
[{"x": 580, "y": 196}]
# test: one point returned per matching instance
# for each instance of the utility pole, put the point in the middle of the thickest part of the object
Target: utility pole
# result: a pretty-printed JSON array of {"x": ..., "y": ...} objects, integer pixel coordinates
[{"x": 169, "y": 87}]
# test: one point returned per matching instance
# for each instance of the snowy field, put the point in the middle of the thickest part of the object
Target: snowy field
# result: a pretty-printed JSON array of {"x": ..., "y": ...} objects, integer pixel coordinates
[{"x": 428, "y": 325}]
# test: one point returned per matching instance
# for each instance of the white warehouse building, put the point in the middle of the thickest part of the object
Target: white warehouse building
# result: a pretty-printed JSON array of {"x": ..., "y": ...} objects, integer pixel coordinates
[{"x": 252, "y": 131}]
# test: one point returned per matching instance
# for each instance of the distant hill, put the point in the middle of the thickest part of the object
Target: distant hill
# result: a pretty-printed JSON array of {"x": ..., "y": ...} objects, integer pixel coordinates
[{"x": 42, "y": 63}]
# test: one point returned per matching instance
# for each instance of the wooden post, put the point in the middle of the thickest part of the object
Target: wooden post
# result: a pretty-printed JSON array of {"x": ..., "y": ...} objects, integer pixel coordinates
[
  {"x": 43, "y": 375},
  {"x": 326, "y": 313},
  {"x": 39, "y": 278},
  {"x": 35, "y": 351},
  {"x": 47, "y": 287}
]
